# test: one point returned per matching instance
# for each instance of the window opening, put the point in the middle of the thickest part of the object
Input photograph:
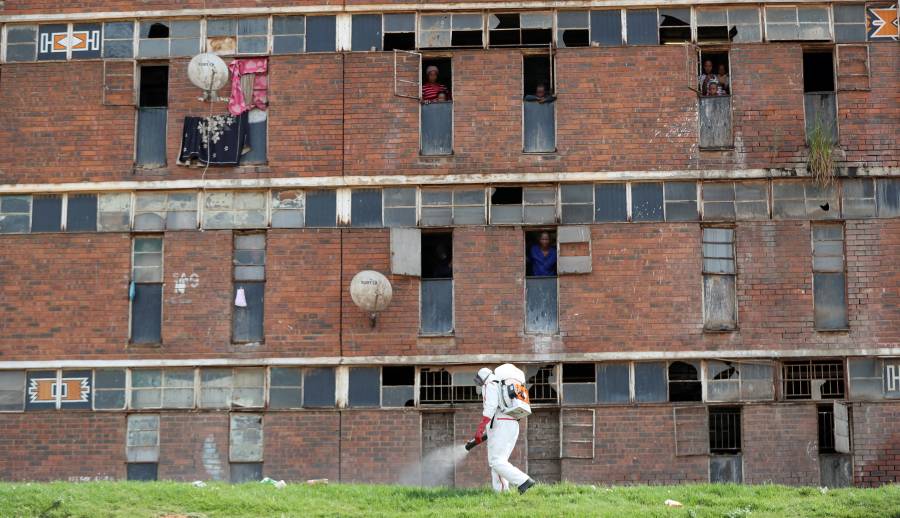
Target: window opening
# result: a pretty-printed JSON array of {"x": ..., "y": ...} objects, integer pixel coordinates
[
  {"x": 684, "y": 382},
  {"x": 714, "y": 78},
  {"x": 437, "y": 283},
  {"x": 818, "y": 379},
  {"x": 541, "y": 382},
  {"x": 579, "y": 383},
  {"x": 520, "y": 29},
  {"x": 725, "y": 430},
  {"x": 573, "y": 29},
  {"x": 399, "y": 31},
  {"x": 674, "y": 25}
]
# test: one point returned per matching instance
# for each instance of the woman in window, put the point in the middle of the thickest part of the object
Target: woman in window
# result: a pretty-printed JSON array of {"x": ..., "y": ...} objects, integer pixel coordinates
[
  {"x": 543, "y": 257},
  {"x": 431, "y": 89}
]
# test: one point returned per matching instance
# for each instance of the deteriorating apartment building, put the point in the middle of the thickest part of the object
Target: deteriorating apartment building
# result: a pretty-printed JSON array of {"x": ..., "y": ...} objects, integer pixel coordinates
[{"x": 681, "y": 220}]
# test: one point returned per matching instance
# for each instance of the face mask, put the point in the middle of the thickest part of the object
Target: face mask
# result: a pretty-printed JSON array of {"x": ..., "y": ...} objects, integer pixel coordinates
[{"x": 478, "y": 389}]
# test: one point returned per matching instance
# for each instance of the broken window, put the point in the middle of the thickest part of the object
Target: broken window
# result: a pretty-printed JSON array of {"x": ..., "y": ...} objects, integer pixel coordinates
[
  {"x": 146, "y": 290},
  {"x": 46, "y": 213},
  {"x": 539, "y": 116},
  {"x": 443, "y": 386},
  {"x": 727, "y": 201},
  {"x": 866, "y": 378},
  {"x": 285, "y": 387},
  {"x": 15, "y": 213},
  {"x": 21, "y": 43},
  {"x": 12, "y": 391},
  {"x": 462, "y": 206},
  {"x": 318, "y": 387},
  {"x": 288, "y": 34},
  {"x": 674, "y": 25},
  {"x": 153, "y": 100},
  {"x": 162, "y": 388},
  {"x": 245, "y": 447},
  {"x": 541, "y": 381},
  {"x": 737, "y": 24},
  {"x": 577, "y": 203},
  {"x": 234, "y": 209},
  {"x": 399, "y": 207},
  {"x": 365, "y": 208},
  {"x": 165, "y": 211},
  {"x": 579, "y": 383},
  {"x": 642, "y": 26},
  {"x": 813, "y": 379},
  {"x": 650, "y": 382},
  {"x": 118, "y": 40},
  {"x": 399, "y": 31},
  {"x": 170, "y": 38},
  {"x": 142, "y": 446},
  {"x": 684, "y": 381},
  {"x": 81, "y": 213},
  {"x": 398, "y": 386},
  {"x": 829, "y": 277},
  {"x": 114, "y": 212},
  {"x": 724, "y": 430},
  {"x": 321, "y": 34},
  {"x": 797, "y": 23},
  {"x": 249, "y": 287},
  {"x": 719, "y": 297},
  {"x": 321, "y": 208},
  {"x": 437, "y": 283},
  {"x": 647, "y": 202},
  {"x": 611, "y": 202},
  {"x": 450, "y": 30},
  {"x": 506, "y": 205},
  {"x": 739, "y": 381},
  {"x": 681, "y": 201},
  {"x": 287, "y": 209},
  {"x": 109, "y": 389},
  {"x": 227, "y": 388},
  {"x": 228, "y": 36},
  {"x": 888, "y": 193},
  {"x": 541, "y": 293},
  {"x": 820, "y": 103},
  {"x": 606, "y": 27},
  {"x": 364, "y": 387},
  {"x": 803, "y": 200},
  {"x": 520, "y": 29},
  {"x": 573, "y": 29},
  {"x": 849, "y": 22},
  {"x": 613, "y": 382}
]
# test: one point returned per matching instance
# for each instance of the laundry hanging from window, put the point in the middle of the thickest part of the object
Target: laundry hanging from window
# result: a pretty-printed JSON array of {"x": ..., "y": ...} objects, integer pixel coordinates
[
  {"x": 249, "y": 85},
  {"x": 214, "y": 140}
]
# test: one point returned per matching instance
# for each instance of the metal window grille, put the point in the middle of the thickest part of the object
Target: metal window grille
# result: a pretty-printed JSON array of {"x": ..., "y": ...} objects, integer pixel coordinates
[
  {"x": 826, "y": 429},
  {"x": 542, "y": 383},
  {"x": 724, "y": 430},
  {"x": 813, "y": 380},
  {"x": 436, "y": 387}
]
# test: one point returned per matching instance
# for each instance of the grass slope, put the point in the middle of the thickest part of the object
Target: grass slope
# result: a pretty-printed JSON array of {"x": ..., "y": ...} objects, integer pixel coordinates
[{"x": 155, "y": 499}]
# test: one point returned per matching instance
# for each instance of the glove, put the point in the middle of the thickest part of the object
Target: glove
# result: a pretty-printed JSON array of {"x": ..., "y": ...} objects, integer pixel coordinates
[{"x": 479, "y": 432}]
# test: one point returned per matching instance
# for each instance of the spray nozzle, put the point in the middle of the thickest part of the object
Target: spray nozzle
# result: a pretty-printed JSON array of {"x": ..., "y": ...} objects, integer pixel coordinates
[{"x": 473, "y": 443}]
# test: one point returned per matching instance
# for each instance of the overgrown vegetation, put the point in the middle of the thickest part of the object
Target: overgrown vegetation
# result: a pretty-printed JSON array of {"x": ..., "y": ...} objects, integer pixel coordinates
[
  {"x": 172, "y": 499},
  {"x": 821, "y": 153}
]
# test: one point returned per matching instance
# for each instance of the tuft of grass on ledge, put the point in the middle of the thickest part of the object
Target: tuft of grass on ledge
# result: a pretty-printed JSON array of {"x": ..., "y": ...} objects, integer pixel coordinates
[{"x": 174, "y": 499}]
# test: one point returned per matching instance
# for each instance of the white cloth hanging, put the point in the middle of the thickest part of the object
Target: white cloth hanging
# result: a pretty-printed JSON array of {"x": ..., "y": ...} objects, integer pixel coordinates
[{"x": 240, "y": 300}]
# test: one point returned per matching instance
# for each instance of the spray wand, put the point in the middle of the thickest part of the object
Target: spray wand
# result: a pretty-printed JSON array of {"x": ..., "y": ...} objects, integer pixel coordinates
[{"x": 471, "y": 443}]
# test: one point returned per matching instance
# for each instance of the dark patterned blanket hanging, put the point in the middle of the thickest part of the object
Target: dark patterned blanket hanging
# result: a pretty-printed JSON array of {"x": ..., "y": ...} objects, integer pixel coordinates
[{"x": 215, "y": 140}]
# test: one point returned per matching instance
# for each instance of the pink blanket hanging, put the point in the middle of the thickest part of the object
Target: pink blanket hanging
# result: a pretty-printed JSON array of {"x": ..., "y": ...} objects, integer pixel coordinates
[{"x": 246, "y": 94}]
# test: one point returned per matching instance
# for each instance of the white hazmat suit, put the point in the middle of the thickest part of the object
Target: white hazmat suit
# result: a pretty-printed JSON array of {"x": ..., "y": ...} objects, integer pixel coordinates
[{"x": 502, "y": 436}]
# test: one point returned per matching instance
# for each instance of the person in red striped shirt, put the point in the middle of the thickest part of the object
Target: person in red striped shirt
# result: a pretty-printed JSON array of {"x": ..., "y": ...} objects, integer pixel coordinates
[{"x": 431, "y": 89}]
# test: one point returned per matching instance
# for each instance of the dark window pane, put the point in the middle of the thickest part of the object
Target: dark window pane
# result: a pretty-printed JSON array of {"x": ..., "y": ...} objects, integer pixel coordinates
[
  {"x": 109, "y": 378},
  {"x": 286, "y": 377},
  {"x": 437, "y": 306},
  {"x": 257, "y": 136},
  {"x": 649, "y": 382},
  {"x": 366, "y": 32},
  {"x": 246, "y": 472},
  {"x": 109, "y": 399},
  {"x": 398, "y": 376},
  {"x": 365, "y": 387},
  {"x": 318, "y": 387},
  {"x": 646, "y": 202},
  {"x": 397, "y": 396},
  {"x": 684, "y": 382},
  {"x": 830, "y": 301},
  {"x": 320, "y": 34},
  {"x": 287, "y": 44},
  {"x": 888, "y": 197},
  {"x": 144, "y": 471},
  {"x": 612, "y": 383},
  {"x": 247, "y": 322},
  {"x": 365, "y": 208},
  {"x": 541, "y": 305},
  {"x": 151, "y": 137},
  {"x": 641, "y": 25},
  {"x": 606, "y": 27},
  {"x": 321, "y": 208},
  {"x": 610, "y": 202},
  {"x": 81, "y": 215},
  {"x": 46, "y": 213},
  {"x": 146, "y": 314},
  {"x": 288, "y": 25}
]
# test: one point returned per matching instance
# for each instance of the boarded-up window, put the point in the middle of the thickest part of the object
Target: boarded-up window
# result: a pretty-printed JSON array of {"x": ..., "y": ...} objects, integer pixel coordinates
[
  {"x": 647, "y": 202},
  {"x": 12, "y": 391},
  {"x": 858, "y": 198},
  {"x": 397, "y": 386},
  {"x": 15, "y": 214},
  {"x": 246, "y": 438},
  {"x": 321, "y": 208},
  {"x": 829, "y": 277},
  {"x": 577, "y": 433},
  {"x": 611, "y": 202},
  {"x": 727, "y": 201},
  {"x": 365, "y": 387},
  {"x": 318, "y": 387},
  {"x": 849, "y": 22},
  {"x": 650, "y": 382},
  {"x": 109, "y": 389},
  {"x": 612, "y": 382},
  {"x": 146, "y": 290},
  {"x": 81, "y": 213},
  {"x": 234, "y": 209},
  {"x": 803, "y": 200},
  {"x": 715, "y": 122},
  {"x": 606, "y": 27},
  {"x": 739, "y": 381},
  {"x": 853, "y": 66},
  {"x": 691, "y": 430},
  {"x": 321, "y": 33},
  {"x": 579, "y": 383},
  {"x": 143, "y": 438},
  {"x": 46, "y": 213},
  {"x": 719, "y": 275},
  {"x": 285, "y": 387},
  {"x": 238, "y": 388}
]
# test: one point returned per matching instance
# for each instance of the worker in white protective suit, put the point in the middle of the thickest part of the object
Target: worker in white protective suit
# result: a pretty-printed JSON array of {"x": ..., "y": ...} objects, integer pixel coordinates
[{"x": 502, "y": 432}]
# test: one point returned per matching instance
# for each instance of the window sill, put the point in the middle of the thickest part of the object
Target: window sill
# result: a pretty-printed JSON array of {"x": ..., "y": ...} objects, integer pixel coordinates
[
  {"x": 159, "y": 169},
  {"x": 836, "y": 330},
  {"x": 422, "y": 336},
  {"x": 713, "y": 331},
  {"x": 719, "y": 149},
  {"x": 544, "y": 154},
  {"x": 240, "y": 168},
  {"x": 135, "y": 345}
]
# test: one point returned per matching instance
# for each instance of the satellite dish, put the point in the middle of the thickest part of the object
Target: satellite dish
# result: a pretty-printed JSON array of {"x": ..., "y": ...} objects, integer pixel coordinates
[
  {"x": 371, "y": 291},
  {"x": 208, "y": 72}
]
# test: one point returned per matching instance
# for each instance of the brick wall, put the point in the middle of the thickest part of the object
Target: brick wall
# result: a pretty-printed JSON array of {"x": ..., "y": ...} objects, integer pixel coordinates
[
  {"x": 379, "y": 446},
  {"x": 875, "y": 444},
  {"x": 780, "y": 444},
  {"x": 193, "y": 446},
  {"x": 302, "y": 445}
]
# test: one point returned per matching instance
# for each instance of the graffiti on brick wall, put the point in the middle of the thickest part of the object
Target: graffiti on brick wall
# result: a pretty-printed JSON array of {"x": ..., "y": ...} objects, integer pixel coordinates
[
  {"x": 211, "y": 461},
  {"x": 184, "y": 281},
  {"x": 881, "y": 21}
]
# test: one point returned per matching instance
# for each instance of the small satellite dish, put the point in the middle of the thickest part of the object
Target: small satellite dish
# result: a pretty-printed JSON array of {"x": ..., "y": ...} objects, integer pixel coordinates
[
  {"x": 372, "y": 292},
  {"x": 208, "y": 72}
]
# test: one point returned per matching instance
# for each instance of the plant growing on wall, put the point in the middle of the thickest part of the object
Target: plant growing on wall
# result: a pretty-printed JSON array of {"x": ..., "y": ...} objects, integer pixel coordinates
[{"x": 820, "y": 162}]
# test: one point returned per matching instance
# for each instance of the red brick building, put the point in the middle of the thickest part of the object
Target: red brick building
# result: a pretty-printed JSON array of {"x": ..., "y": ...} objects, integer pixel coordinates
[{"x": 714, "y": 311}]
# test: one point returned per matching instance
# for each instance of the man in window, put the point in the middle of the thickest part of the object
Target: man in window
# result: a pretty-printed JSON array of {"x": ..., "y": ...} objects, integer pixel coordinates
[
  {"x": 540, "y": 95},
  {"x": 542, "y": 257},
  {"x": 432, "y": 89}
]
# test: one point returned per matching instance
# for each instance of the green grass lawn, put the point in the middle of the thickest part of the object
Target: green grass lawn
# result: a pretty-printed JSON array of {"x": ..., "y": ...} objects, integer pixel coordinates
[{"x": 155, "y": 499}]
